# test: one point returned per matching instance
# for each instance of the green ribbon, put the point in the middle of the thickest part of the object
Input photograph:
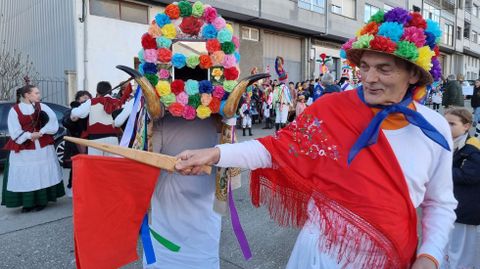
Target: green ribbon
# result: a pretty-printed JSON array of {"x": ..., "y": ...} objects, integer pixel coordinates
[{"x": 164, "y": 242}]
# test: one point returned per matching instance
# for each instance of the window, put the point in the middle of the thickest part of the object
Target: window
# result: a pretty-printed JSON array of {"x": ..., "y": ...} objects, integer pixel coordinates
[
  {"x": 312, "y": 5},
  {"x": 460, "y": 4},
  {"x": 249, "y": 33},
  {"x": 122, "y": 10},
  {"x": 369, "y": 11},
  {"x": 474, "y": 37},
  {"x": 448, "y": 34},
  {"x": 466, "y": 30},
  {"x": 431, "y": 12},
  {"x": 345, "y": 8},
  {"x": 459, "y": 33},
  {"x": 475, "y": 10},
  {"x": 387, "y": 7}
]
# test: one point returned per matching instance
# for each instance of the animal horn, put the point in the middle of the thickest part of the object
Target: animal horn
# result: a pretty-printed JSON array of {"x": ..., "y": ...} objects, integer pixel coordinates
[
  {"x": 154, "y": 106},
  {"x": 231, "y": 104}
]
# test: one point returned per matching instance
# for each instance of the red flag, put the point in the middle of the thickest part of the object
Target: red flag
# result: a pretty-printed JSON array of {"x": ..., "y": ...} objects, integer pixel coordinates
[{"x": 110, "y": 198}]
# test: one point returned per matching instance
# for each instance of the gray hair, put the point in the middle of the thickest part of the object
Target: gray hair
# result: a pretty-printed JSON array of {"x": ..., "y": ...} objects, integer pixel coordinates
[
  {"x": 328, "y": 79},
  {"x": 452, "y": 77}
]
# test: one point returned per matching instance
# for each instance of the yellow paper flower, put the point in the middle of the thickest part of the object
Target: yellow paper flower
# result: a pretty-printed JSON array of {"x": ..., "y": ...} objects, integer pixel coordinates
[
  {"x": 229, "y": 27},
  {"x": 203, "y": 112},
  {"x": 424, "y": 59},
  {"x": 163, "y": 88},
  {"x": 358, "y": 32},
  {"x": 217, "y": 73},
  {"x": 169, "y": 31}
]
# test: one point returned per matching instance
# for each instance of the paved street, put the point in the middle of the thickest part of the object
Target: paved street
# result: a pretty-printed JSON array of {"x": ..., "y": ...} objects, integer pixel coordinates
[{"x": 44, "y": 239}]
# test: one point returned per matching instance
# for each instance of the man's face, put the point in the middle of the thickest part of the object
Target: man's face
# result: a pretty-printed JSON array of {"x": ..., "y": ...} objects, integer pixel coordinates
[
  {"x": 477, "y": 83},
  {"x": 385, "y": 82}
]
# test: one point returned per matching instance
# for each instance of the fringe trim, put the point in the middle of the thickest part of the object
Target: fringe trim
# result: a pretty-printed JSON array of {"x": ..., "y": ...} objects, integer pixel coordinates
[{"x": 345, "y": 236}]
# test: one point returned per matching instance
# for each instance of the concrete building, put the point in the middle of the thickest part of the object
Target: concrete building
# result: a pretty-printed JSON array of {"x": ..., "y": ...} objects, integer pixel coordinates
[{"x": 86, "y": 39}]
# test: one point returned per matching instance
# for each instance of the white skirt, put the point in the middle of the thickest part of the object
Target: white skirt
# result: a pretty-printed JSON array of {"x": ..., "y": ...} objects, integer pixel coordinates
[
  {"x": 111, "y": 140},
  {"x": 463, "y": 250},
  {"x": 31, "y": 170}
]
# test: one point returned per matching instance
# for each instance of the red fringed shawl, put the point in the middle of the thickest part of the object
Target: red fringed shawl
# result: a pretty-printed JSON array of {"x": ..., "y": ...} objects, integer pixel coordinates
[{"x": 366, "y": 215}]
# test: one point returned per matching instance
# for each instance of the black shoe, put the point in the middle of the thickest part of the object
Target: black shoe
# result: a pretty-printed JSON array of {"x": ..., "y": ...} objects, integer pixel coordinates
[
  {"x": 40, "y": 208},
  {"x": 277, "y": 126},
  {"x": 243, "y": 131},
  {"x": 27, "y": 209},
  {"x": 250, "y": 131}
]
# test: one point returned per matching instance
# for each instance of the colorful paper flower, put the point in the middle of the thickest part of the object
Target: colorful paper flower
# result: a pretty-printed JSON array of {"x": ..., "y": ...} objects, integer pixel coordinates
[
  {"x": 191, "y": 87},
  {"x": 177, "y": 86},
  {"x": 343, "y": 54},
  {"x": 182, "y": 98},
  {"x": 140, "y": 54},
  {"x": 228, "y": 47},
  {"x": 225, "y": 97},
  {"x": 392, "y": 30},
  {"x": 236, "y": 41},
  {"x": 150, "y": 68},
  {"x": 214, "y": 105},
  {"x": 205, "y": 86},
  {"x": 203, "y": 112},
  {"x": 231, "y": 73},
  {"x": 154, "y": 30},
  {"x": 168, "y": 99},
  {"x": 164, "y": 74},
  {"x": 209, "y": 32},
  {"x": 205, "y": 61},
  {"x": 217, "y": 73},
  {"x": 209, "y": 14},
  {"x": 237, "y": 56},
  {"x": 213, "y": 45},
  {"x": 425, "y": 55},
  {"x": 436, "y": 69},
  {"x": 140, "y": 68},
  {"x": 205, "y": 99},
  {"x": 218, "y": 92},
  {"x": 185, "y": 8},
  {"x": 150, "y": 55},
  {"x": 436, "y": 49},
  {"x": 407, "y": 50},
  {"x": 219, "y": 23},
  {"x": 172, "y": 11},
  {"x": 382, "y": 43},
  {"x": 229, "y": 85},
  {"x": 378, "y": 16},
  {"x": 161, "y": 19},
  {"x": 417, "y": 20},
  {"x": 217, "y": 57},
  {"x": 163, "y": 42},
  {"x": 169, "y": 31},
  {"x": 178, "y": 60},
  {"x": 370, "y": 28},
  {"x": 148, "y": 42},
  {"x": 224, "y": 36},
  {"x": 197, "y": 9},
  {"x": 163, "y": 88},
  {"x": 190, "y": 25},
  {"x": 193, "y": 61},
  {"x": 434, "y": 28},
  {"x": 152, "y": 78},
  {"x": 194, "y": 100},
  {"x": 176, "y": 109},
  {"x": 363, "y": 42},
  {"x": 189, "y": 113},
  {"x": 348, "y": 44},
  {"x": 164, "y": 55},
  {"x": 229, "y": 61},
  {"x": 229, "y": 27},
  {"x": 398, "y": 15},
  {"x": 414, "y": 35},
  {"x": 431, "y": 40}
]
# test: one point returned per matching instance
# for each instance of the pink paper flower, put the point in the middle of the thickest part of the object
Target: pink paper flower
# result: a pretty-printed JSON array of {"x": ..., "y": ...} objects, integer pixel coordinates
[
  {"x": 414, "y": 35},
  {"x": 210, "y": 14},
  {"x": 229, "y": 61},
  {"x": 182, "y": 98},
  {"x": 150, "y": 55},
  {"x": 218, "y": 92},
  {"x": 236, "y": 41},
  {"x": 189, "y": 113},
  {"x": 164, "y": 74},
  {"x": 219, "y": 23}
]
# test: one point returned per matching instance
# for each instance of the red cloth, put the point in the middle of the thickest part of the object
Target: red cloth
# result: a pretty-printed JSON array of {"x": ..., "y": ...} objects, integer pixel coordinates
[
  {"x": 110, "y": 198},
  {"x": 365, "y": 208}
]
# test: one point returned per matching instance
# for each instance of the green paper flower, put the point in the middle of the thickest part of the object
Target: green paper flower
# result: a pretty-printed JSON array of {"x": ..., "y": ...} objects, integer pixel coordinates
[
  {"x": 228, "y": 47},
  {"x": 168, "y": 99},
  {"x": 407, "y": 50},
  {"x": 363, "y": 42},
  {"x": 185, "y": 8},
  {"x": 229, "y": 85},
  {"x": 193, "y": 61},
  {"x": 153, "y": 78},
  {"x": 197, "y": 9},
  {"x": 194, "y": 100},
  {"x": 377, "y": 17}
]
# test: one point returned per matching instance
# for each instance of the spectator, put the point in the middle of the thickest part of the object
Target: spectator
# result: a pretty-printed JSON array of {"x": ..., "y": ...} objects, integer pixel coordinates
[
  {"x": 476, "y": 107},
  {"x": 452, "y": 95},
  {"x": 328, "y": 83}
]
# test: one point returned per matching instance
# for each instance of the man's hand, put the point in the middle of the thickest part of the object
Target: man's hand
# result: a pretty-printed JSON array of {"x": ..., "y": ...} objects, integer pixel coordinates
[
  {"x": 190, "y": 162},
  {"x": 36, "y": 135},
  {"x": 424, "y": 263}
]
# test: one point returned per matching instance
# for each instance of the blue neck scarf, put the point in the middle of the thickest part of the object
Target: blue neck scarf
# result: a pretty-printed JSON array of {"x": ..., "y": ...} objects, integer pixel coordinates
[{"x": 370, "y": 135}]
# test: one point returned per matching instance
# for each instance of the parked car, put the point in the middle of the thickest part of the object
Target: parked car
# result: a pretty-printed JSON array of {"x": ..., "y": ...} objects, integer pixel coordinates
[{"x": 58, "y": 136}]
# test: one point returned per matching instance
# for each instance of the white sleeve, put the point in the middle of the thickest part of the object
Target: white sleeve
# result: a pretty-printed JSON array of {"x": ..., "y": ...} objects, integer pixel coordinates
[
  {"x": 438, "y": 206},
  {"x": 123, "y": 116},
  {"x": 82, "y": 111},
  {"x": 15, "y": 129},
  {"x": 52, "y": 125},
  {"x": 249, "y": 154}
]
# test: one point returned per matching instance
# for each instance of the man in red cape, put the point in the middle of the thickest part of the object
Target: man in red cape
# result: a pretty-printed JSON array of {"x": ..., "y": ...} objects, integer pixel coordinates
[{"x": 353, "y": 168}]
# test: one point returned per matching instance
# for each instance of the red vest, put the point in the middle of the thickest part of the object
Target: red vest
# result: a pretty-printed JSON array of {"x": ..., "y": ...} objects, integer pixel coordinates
[
  {"x": 26, "y": 122},
  {"x": 100, "y": 122}
]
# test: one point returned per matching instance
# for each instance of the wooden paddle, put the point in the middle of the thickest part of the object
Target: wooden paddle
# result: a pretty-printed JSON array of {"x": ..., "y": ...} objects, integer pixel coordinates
[{"x": 154, "y": 159}]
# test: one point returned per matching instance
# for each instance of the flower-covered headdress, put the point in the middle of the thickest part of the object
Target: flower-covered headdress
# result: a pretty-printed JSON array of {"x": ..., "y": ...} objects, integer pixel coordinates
[
  {"x": 282, "y": 74},
  {"x": 403, "y": 34}
]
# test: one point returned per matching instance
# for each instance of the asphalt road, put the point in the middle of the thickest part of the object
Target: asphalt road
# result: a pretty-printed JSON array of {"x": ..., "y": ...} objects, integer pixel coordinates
[{"x": 44, "y": 239}]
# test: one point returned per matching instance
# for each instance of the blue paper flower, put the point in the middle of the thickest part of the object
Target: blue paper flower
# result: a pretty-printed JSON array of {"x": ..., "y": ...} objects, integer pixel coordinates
[
  {"x": 343, "y": 54},
  {"x": 205, "y": 86},
  {"x": 161, "y": 19},
  {"x": 209, "y": 31},
  {"x": 224, "y": 36},
  {"x": 392, "y": 30},
  {"x": 140, "y": 68},
  {"x": 140, "y": 56},
  {"x": 237, "y": 56},
  {"x": 191, "y": 87},
  {"x": 430, "y": 40},
  {"x": 178, "y": 60},
  {"x": 434, "y": 28},
  {"x": 225, "y": 96},
  {"x": 150, "y": 68},
  {"x": 163, "y": 42}
]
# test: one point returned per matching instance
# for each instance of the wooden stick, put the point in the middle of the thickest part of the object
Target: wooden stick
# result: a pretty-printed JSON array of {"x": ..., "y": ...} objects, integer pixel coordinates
[{"x": 154, "y": 159}]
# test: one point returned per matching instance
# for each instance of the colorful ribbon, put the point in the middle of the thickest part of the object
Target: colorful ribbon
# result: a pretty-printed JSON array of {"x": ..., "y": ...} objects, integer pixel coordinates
[
  {"x": 127, "y": 134},
  {"x": 147, "y": 241},
  {"x": 237, "y": 227}
]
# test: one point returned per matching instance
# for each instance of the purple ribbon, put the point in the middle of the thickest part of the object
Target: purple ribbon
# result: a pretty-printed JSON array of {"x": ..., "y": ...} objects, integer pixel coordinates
[{"x": 237, "y": 227}]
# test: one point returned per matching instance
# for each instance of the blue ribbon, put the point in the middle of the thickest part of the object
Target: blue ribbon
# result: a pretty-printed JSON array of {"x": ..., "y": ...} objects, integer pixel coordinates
[
  {"x": 370, "y": 135},
  {"x": 147, "y": 241}
]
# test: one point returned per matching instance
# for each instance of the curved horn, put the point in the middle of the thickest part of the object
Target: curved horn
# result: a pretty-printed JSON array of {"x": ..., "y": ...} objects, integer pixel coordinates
[
  {"x": 154, "y": 106},
  {"x": 231, "y": 104}
]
